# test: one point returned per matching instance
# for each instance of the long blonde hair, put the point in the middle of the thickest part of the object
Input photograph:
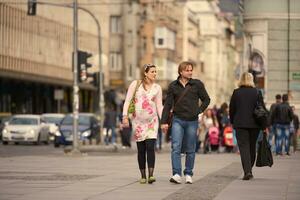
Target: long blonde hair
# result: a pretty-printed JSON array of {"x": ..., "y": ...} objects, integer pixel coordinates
[{"x": 246, "y": 80}]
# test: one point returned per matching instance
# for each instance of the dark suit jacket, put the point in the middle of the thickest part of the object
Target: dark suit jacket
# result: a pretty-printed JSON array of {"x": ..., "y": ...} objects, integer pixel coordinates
[{"x": 242, "y": 104}]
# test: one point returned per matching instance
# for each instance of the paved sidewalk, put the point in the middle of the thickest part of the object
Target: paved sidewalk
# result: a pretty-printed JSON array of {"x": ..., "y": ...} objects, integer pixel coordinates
[
  {"x": 280, "y": 182},
  {"x": 105, "y": 176}
]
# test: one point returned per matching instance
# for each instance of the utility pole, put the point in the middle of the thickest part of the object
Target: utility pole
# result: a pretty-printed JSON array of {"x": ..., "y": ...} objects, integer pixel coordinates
[{"x": 75, "y": 76}]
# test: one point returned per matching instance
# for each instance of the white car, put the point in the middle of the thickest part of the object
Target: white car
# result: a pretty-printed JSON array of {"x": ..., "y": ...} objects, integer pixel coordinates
[
  {"x": 25, "y": 128},
  {"x": 52, "y": 120}
]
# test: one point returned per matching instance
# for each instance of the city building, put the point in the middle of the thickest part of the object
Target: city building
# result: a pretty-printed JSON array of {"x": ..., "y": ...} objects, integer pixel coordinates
[
  {"x": 36, "y": 57},
  {"x": 36, "y": 51},
  {"x": 219, "y": 55},
  {"x": 272, "y": 46}
]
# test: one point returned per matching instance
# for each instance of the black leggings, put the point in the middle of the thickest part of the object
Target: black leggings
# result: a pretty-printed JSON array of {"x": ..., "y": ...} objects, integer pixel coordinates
[{"x": 146, "y": 147}]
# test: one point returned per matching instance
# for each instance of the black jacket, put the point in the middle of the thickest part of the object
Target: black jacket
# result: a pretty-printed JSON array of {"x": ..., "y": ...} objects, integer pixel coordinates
[
  {"x": 283, "y": 114},
  {"x": 242, "y": 104},
  {"x": 188, "y": 107}
]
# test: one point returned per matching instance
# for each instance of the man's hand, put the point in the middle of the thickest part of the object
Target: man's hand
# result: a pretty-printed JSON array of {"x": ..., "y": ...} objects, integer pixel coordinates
[{"x": 164, "y": 128}]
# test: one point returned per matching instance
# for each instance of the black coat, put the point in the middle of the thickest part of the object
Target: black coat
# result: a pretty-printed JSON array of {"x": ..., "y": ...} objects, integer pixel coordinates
[{"x": 242, "y": 104}]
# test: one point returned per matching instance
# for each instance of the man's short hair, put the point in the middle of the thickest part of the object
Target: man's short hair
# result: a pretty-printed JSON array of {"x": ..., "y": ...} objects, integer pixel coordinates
[
  {"x": 285, "y": 97},
  {"x": 183, "y": 65},
  {"x": 278, "y": 96}
]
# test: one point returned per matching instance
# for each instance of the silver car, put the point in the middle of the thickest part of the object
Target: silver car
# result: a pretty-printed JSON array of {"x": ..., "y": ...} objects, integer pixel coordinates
[{"x": 25, "y": 128}]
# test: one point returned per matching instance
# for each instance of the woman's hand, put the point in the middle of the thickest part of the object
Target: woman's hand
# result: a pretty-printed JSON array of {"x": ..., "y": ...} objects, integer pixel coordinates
[{"x": 125, "y": 121}]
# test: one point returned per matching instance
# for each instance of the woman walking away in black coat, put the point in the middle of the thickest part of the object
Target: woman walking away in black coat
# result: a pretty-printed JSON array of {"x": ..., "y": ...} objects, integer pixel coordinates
[{"x": 242, "y": 104}]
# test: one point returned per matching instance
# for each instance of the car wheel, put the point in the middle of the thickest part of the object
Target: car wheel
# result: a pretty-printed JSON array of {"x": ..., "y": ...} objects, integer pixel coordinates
[{"x": 4, "y": 142}]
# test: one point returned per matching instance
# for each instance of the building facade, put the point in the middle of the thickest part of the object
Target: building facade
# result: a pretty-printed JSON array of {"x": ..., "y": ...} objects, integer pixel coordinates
[
  {"x": 36, "y": 51},
  {"x": 272, "y": 46},
  {"x": 219, "y": 55},
  {"x": 36, "y": 59}
]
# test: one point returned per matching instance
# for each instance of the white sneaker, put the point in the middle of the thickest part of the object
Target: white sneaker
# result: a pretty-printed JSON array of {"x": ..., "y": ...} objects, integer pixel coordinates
[
  {"x": 176, "y": 179},
  {"x": 188, "y": 179}
]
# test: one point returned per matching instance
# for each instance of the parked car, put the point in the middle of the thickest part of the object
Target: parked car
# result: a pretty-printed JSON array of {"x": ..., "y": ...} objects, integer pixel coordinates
[
  {"x": 25, "y": 128},
  {"x": 52, "y": 120},
  {"x": 88, "y": 128},
  {"x": 4, "y": 117}
]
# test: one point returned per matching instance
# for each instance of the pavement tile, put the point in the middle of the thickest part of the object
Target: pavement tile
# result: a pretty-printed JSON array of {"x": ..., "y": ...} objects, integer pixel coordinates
[{"x": 115, "y": 176}]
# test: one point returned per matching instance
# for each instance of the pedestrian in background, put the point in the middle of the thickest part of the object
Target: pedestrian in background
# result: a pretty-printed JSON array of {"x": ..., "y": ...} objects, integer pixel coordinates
[
  {"x": 272, "y": 127},
  {"x": 145, "y": 119},
  {"x": 222, "y": 114},
  {"x": 295, "y": 129},
  {"x": 185, "y": 120},
  {"x": 282, "y": 118},
  {"x": 208, "y": 120},
  {"x": 242, "y": 104},
  {"x": 110, "y": 123}
]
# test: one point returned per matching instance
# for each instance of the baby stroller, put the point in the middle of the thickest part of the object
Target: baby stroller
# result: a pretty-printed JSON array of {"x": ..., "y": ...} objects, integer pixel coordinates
[
  {"x": 228, "y": 139},
  {"x": 211, "y": 142}
]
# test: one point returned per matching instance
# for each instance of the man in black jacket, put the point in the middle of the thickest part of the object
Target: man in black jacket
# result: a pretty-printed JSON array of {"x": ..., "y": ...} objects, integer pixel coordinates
[
  {"x": 272, "y": 128},
  {"x": 282, "y": 117},
  {"x": 185, "y": 93}
]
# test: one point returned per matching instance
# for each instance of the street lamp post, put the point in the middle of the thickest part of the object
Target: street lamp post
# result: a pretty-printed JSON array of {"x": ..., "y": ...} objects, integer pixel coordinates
[
  {"x": 75, "y": 72},
  {"x": 75, "y": 77}
]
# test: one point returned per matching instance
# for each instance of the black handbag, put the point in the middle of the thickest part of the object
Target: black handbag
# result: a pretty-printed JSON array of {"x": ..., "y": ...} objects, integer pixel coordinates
[
  {"x": 260, "y": 112},
  {"x": 264, "y": 154}
]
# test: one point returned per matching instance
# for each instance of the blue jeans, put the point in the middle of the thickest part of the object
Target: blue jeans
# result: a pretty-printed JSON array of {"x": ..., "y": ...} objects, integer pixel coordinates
[
  {"x": 270, "y": 138},
  {"x": 282, "y": 135},
  {"x": 184, "y": 134}
]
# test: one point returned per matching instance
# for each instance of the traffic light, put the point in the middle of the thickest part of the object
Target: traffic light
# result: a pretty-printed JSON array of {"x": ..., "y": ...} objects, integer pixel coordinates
[
  {"x": 83, "y": 65},
  {"x": 96, "y": 79},
  {"x": 31, "y": 7}
]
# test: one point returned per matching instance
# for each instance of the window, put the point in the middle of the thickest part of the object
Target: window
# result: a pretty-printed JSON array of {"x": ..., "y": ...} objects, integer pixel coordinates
[
  {"x": 115, "y": 24},
  {"x": 165, "y": 38},
  {"x": 115, "y": 59},
  {"x": 160, "y": 41},
  {"x": 130, "y": 71},
  {"x": 144, "y": 45}
]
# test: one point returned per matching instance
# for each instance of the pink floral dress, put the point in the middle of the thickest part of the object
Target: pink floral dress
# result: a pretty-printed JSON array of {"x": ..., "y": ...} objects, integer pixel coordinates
[{"x": 148, "y": 107}]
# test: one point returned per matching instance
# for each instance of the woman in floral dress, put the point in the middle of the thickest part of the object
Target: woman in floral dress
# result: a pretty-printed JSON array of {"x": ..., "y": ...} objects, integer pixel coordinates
[{"x": 145, "y": 119}]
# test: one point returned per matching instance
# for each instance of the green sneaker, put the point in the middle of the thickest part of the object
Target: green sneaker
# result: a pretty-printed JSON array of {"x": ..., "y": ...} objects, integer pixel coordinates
[
  {"x": 151, "y": 179},
  {"x": 143, "y": 181}
]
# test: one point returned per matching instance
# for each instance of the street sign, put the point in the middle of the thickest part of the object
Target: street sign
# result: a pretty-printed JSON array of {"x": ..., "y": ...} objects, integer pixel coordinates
[
  {"x": 58, "y": 94},
  {"x": 295, "y": 75}
]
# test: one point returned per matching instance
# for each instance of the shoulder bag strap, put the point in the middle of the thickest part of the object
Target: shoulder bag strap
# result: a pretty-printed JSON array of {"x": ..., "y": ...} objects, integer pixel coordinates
[
  {"x": 138, "y": 83},
  {"x": 182, "y": 94}
]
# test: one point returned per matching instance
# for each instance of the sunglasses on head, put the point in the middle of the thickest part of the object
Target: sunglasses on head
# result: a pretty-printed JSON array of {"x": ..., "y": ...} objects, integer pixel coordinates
[{"x": 147, "y": 66}]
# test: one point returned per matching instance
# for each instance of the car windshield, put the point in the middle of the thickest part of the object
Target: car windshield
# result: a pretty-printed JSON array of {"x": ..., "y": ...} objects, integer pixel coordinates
[
  {"x": 52, "y": 120},
  {"x": 83, "y": 120},
  {"x": 23, "y": 121}
]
